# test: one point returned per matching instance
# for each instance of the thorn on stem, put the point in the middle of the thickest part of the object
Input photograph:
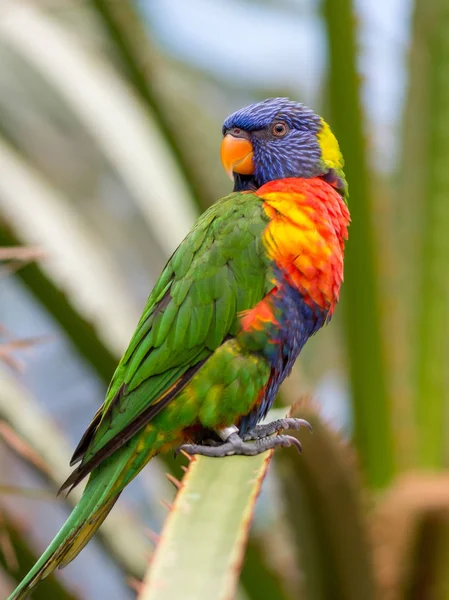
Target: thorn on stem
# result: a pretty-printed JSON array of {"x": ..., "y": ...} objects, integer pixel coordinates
[
  {"x": 152, "y": 536},
  {"x": 188, "y": 456},
  {"x": 166, "y": 505},
  {"x": 174, "y": 481},
  {"x": 135, "y": 584}
]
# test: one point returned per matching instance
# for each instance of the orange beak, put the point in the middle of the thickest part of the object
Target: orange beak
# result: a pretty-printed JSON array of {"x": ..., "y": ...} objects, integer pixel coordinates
[{"x": 237, "y": 155}]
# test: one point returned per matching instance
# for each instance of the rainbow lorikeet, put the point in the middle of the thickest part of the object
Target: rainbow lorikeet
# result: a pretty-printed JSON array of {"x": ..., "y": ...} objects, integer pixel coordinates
[{"x": 257, "y": 275}]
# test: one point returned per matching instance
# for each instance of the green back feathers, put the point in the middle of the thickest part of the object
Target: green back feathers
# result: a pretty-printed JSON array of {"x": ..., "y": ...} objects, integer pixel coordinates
[{"x": 218, "y": 271}]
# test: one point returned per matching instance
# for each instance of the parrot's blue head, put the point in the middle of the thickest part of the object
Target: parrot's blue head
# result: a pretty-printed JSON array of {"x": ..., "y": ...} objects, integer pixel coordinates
[{"x": 279, "y": 138}]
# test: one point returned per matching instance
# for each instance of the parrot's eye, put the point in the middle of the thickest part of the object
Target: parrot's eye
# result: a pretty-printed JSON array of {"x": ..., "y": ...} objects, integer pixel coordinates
[{"x": 279, "y": 129}]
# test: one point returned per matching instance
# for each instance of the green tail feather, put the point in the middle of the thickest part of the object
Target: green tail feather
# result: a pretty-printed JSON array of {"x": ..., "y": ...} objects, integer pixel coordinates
[{"x": 100, "y": 495}]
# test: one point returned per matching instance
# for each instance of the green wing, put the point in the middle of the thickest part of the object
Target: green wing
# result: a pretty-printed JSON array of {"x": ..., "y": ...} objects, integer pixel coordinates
[{"x": 218, "y": 270}]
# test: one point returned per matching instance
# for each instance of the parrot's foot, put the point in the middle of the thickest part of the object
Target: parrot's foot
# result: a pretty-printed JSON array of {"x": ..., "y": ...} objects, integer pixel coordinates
[
  {"x": 262, "y": 431},
  {"x": 235, "y": 445}
]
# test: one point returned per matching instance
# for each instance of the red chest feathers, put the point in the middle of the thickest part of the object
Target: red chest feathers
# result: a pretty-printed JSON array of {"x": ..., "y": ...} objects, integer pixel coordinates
[{"x": 305, "y": 236}]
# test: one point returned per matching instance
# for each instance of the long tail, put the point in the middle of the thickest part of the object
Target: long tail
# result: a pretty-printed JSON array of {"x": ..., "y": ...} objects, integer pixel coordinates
[{"x": 100, "y": 495}]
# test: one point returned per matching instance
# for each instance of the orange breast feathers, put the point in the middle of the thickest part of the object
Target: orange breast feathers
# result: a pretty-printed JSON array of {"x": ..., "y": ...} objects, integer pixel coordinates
[{"x": 306, "y": 235}]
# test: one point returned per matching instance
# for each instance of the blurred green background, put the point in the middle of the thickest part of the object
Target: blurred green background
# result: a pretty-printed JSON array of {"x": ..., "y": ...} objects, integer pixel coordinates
[{"x": 110, "y": 125}]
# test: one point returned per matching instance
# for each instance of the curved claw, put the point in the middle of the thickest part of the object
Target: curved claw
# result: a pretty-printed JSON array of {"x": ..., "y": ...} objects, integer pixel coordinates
[
  {"x": 304, "y": 423},
  {"x": 268, "y": 429},
  {"x": 294, "y": 423},
  {"x": 285, "y": 441}
]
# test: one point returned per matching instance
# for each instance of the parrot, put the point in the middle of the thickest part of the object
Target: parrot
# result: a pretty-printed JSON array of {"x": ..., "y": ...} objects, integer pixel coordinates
[{"x": 258, "y": 274}]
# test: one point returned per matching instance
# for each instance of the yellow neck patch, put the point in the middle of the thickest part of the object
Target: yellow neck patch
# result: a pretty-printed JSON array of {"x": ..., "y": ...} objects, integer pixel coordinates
[{"x": 330, "y": 149}]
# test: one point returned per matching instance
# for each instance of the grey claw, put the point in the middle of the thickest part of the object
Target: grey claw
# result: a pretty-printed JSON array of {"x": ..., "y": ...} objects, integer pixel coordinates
[
  {"x": 268, "y": 429},
  {"x": 293, "y": 423},
  {"x": 304, "y": 423},
  {"x": 295, "y": 442}
]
